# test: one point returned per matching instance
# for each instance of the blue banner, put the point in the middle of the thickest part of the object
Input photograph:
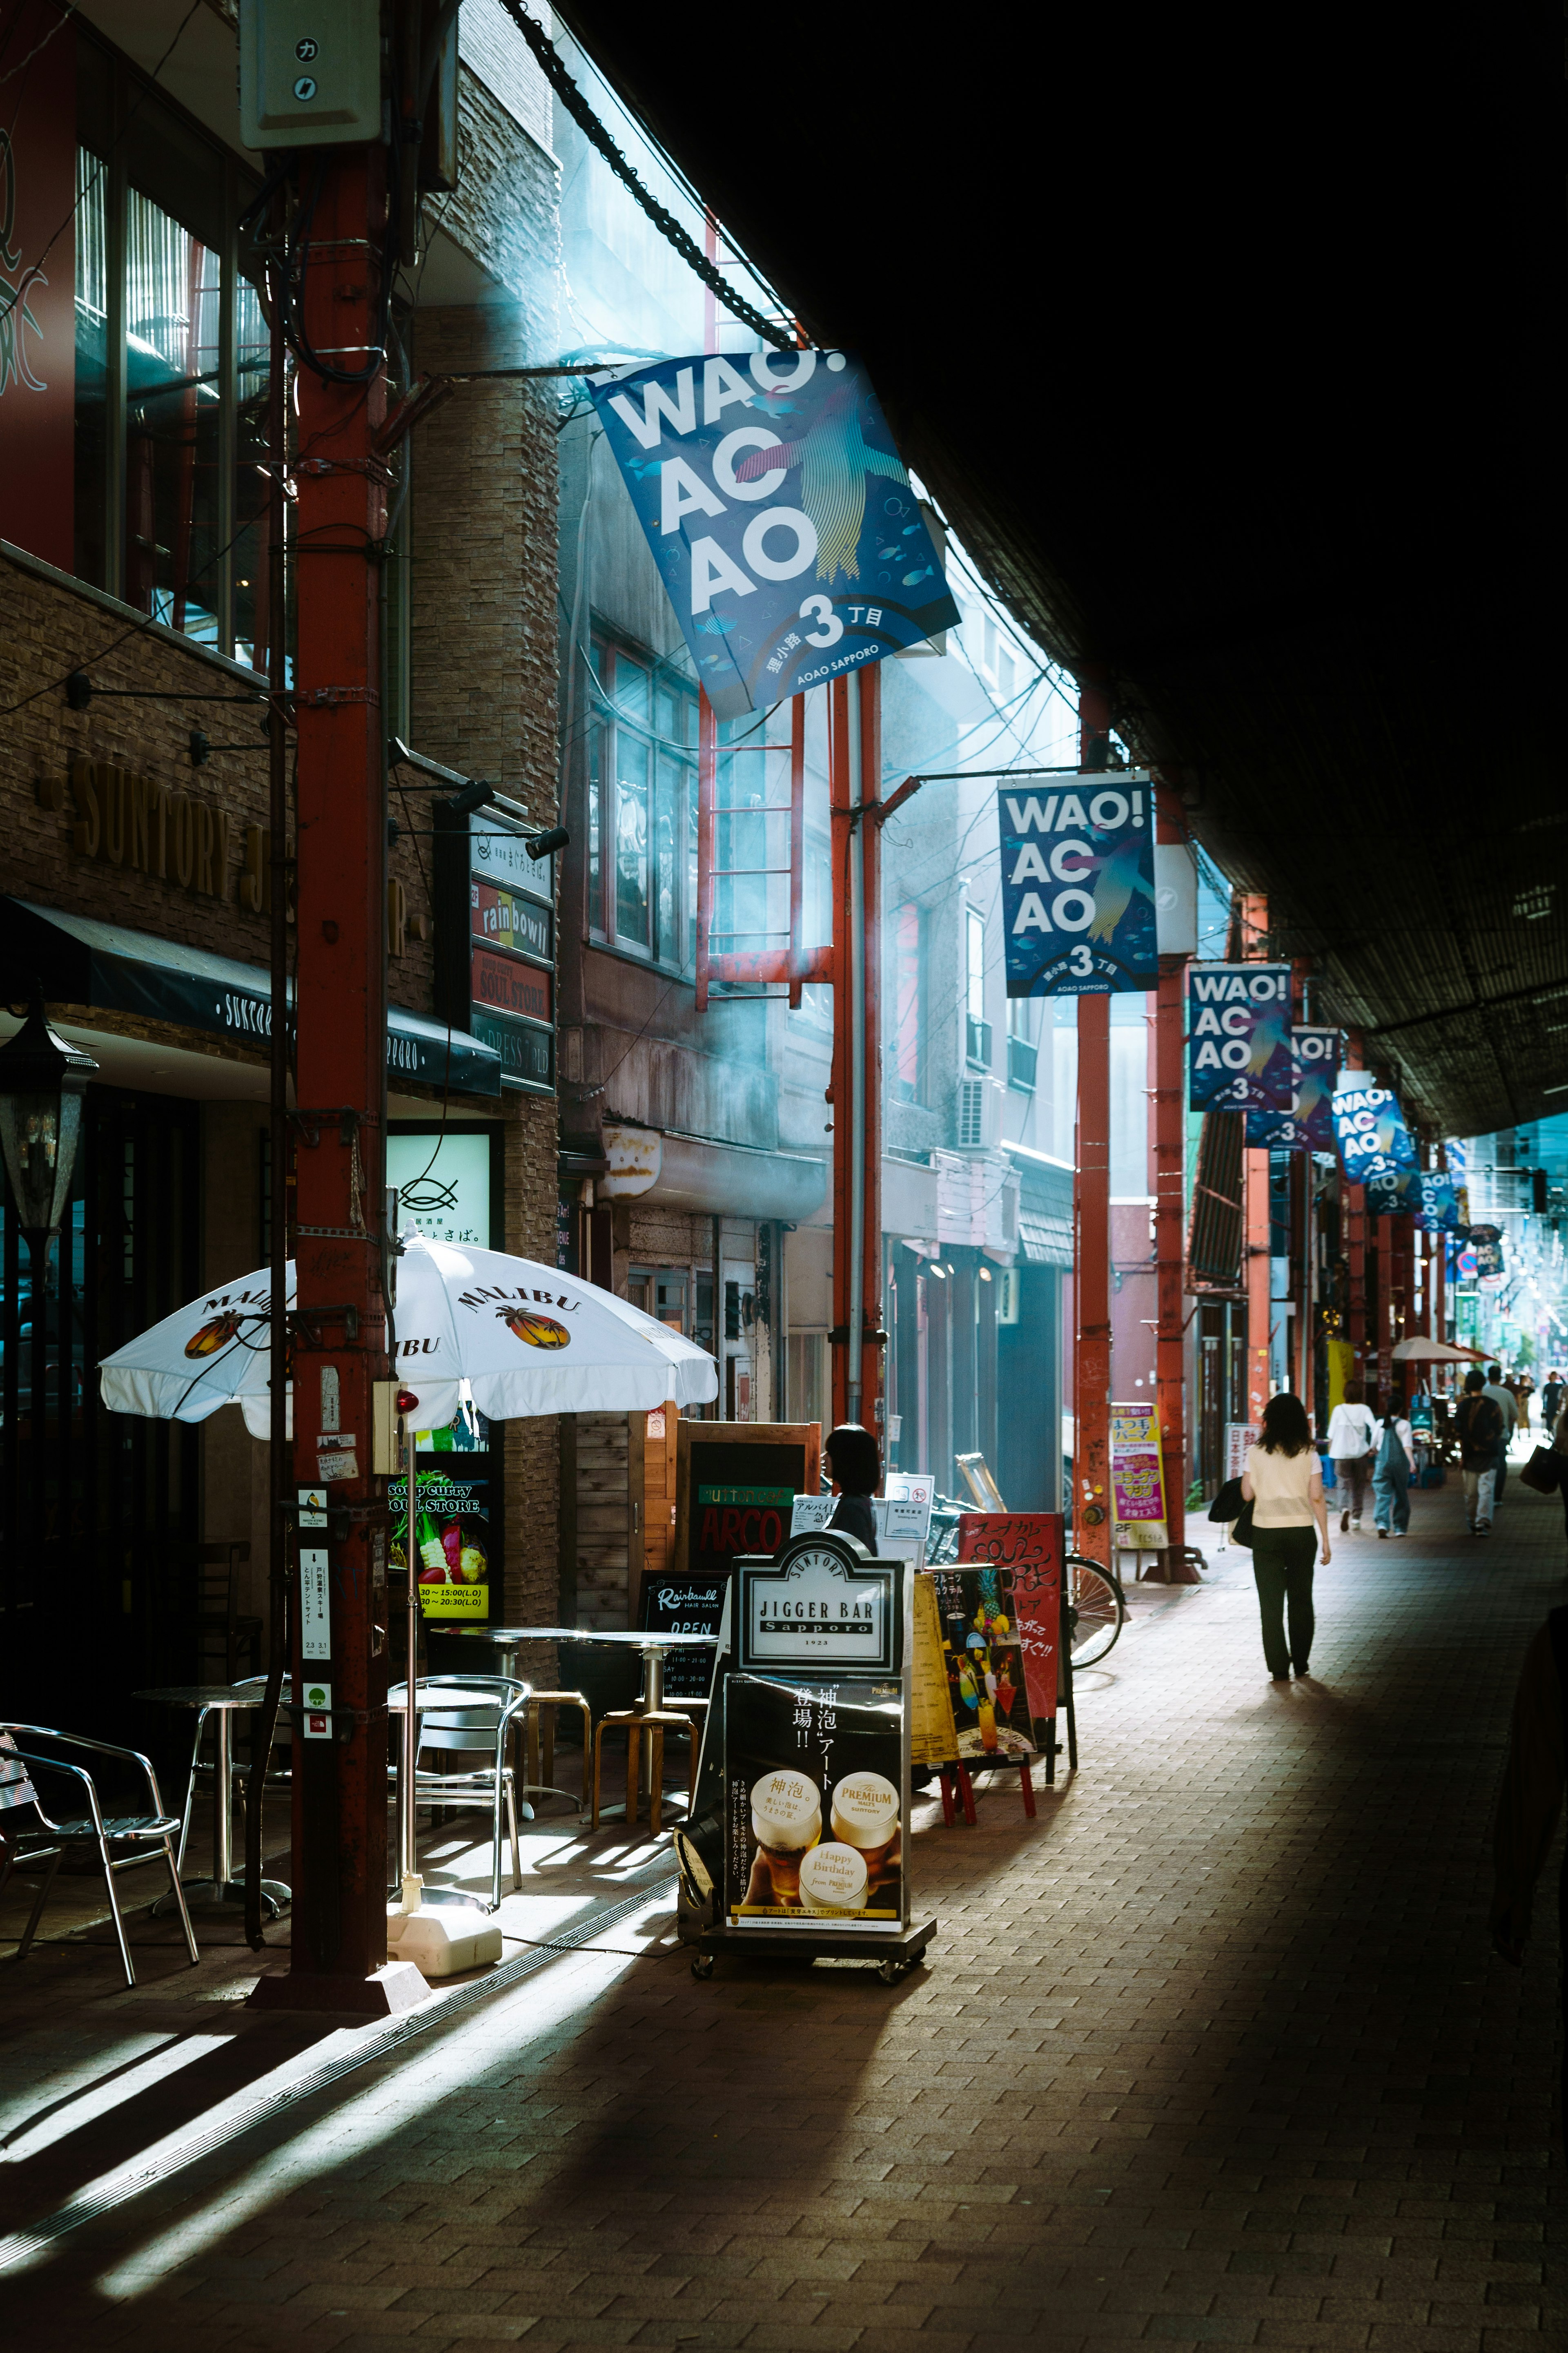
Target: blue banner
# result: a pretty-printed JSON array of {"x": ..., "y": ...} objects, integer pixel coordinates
[
  {"x": 1078, "y": 886},
  {"x": 1309, "y": 1125},
  {"x": 780, "y": 516},
  {"x": 1239, "y": 1038},
  {"x": 1439, "y": 1210},
  {"x": 1377, "y": 1149}
]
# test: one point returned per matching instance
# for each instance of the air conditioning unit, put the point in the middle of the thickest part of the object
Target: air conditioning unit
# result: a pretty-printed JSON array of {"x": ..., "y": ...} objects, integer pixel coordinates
[{"x": 979, "y": 1114}]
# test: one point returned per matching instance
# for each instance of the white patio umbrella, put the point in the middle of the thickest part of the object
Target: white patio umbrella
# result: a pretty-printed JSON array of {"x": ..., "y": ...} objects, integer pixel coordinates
[{"x": 525, "y": 1338}]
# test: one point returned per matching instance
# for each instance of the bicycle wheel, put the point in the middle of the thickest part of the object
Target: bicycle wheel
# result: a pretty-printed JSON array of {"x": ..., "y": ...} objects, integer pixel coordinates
[{"x": 1096, "y": 1610}]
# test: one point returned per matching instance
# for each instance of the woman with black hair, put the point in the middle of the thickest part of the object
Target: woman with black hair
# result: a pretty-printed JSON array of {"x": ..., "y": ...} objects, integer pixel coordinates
[
  {"x": 1282, "y": 1483},
  {"x": 853, "y": 1473}
]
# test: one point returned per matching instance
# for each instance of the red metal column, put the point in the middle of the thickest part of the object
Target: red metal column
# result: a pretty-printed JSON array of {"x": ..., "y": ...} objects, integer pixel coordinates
[
  {"x": 1170, "y": 1175},
  {"x": 1253, "y": 915},
  {"x": 841, "y": 1081},
  {"x": 1439, "y": 1300},
  {"x": 339, "y": 1920},
  {"x": 854, "y": 766},
  {"x": 1093, "y": 1526}
]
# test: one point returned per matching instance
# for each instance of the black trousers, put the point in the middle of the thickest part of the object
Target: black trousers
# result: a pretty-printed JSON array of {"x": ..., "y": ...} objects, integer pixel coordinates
[{"x": 1282, "y": 1561}]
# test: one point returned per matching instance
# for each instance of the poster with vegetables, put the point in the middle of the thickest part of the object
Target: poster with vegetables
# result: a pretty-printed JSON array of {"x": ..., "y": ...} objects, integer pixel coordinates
[{"x": 449, "y": 1539}]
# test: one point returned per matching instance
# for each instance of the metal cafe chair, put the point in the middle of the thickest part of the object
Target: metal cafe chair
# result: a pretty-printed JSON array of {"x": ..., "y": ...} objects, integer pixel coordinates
[
  {"x": 76, "y": 1817},
  {"x": 280, "y": 1777},
  {"x": 471, "y": 1714}
]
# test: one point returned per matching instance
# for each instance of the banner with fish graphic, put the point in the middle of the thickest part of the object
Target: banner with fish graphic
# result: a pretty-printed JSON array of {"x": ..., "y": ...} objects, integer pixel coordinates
[
  {"x": 1239, "y": 1038},
  {"x": 780, "y": 516},
  {"x": 1077, "y": 885},
  {"x": 1309, "y": 1125},
  {"x": 1377, "y": 1149}
]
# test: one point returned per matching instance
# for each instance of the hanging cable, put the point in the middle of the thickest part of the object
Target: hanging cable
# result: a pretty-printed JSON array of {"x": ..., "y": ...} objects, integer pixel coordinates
[{"x": 668, "y": 227}]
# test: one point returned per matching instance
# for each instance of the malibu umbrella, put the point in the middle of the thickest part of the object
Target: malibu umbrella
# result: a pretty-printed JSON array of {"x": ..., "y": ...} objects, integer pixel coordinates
[{"x": 525, "y": 1338}]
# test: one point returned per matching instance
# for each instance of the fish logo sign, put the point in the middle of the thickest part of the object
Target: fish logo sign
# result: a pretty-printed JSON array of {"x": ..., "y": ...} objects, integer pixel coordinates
[
  {"x": 780, "y": 516},
  {"x": 1239, "y": 1038},
  {"x": 1078, "y": 886}
]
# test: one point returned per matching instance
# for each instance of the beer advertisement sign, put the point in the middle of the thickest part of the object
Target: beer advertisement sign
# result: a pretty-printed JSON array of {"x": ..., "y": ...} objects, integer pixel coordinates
[
  {"x": 813, "y": 1805},
  {"x": 824, "y": 1609}
]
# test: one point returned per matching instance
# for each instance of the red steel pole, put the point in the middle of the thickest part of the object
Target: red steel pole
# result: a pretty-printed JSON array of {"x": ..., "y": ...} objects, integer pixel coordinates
[
  {"x": 338, "y": 1945},
  {"x": 1093, "y": 1526},
  {"x": 841, "y": 1082},
  {"x": 1170, "y": 1194}
]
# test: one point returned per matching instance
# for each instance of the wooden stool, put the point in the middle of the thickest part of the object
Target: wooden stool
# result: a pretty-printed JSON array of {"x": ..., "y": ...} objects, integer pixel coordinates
[
  {"x": 655, "y": 1719},
  {"x": 539, "y": 1744}
]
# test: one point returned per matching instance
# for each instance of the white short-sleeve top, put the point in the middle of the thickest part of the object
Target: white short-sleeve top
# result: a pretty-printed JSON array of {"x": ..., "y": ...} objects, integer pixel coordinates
[{"x": 1280, "y": 1487}]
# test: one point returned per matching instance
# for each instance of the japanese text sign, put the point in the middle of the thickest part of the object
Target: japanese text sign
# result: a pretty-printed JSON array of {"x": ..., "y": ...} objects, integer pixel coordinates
[
  {"x": 1239, "y": 1038},
  {"x": 1026, "y": 1548},
  {"x": 1078, "y": 886},
  {"x": 780, "y": 516}
]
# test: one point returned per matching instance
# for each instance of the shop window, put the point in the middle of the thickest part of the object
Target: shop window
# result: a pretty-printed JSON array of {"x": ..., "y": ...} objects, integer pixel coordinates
[
  {"x": 642, "y": 802},
  {"x": 977, "y": 1030}
]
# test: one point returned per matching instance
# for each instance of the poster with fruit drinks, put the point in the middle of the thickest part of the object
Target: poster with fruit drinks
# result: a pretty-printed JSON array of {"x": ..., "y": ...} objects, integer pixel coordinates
[{"x": 450, "y": 1539}]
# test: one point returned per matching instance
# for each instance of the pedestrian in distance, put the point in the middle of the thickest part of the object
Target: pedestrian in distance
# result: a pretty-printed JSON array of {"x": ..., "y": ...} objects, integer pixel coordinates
[
  {"x": 1282, "y": 1483},
  {"x": 1352, "y": 1443},
  {"x": 1524, "y": 1389},
  {"x": 1478, "y": 1423},
  {"x": 1550, "y": 1400},
  {"x": 1392, "y": 1470},
  {"x": 1502, "y": 1399}
]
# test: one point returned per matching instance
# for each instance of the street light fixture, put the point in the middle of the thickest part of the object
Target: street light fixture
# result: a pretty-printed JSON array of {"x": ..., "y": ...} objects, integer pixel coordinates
[{"x": 42, "y": 1081}]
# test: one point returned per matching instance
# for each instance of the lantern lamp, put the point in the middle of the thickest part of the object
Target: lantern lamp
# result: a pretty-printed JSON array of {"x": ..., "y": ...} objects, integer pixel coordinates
[{"x": 42, "y": 1081}]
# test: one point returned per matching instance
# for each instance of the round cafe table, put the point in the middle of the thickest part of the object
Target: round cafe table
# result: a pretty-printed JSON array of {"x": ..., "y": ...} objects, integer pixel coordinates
[
  {"x": 222, "y": 1891},
  {"x": 653, "y": 1648}
]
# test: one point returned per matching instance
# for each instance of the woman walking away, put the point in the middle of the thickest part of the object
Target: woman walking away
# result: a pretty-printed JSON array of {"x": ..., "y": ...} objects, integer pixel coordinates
[
  {"x": 1479, "y": 1428},
  {"x": 1352, "y": 1444},
  {"x": 1391, "y": 1472},
  {"x": 1282, "y": 1483},
  {"x": 854, "y": 1474}
]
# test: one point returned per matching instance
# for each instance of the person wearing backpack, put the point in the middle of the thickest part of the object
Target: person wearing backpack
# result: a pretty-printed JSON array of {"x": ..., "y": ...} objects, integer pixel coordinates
[
  {"x": 1390, "y": 1470},
  {"x": 1478, "y": 1424},
  {"x": 1353, "y": 1432}
]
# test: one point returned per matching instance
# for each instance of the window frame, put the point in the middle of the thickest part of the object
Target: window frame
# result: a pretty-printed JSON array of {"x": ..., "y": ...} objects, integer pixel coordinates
[{"x": 602, "y": 785}]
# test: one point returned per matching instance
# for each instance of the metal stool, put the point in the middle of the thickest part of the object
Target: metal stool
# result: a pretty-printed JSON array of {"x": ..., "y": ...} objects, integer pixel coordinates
[
  {"x": 539, "y": 1746},
  {"x": 653, "y": 1719}
]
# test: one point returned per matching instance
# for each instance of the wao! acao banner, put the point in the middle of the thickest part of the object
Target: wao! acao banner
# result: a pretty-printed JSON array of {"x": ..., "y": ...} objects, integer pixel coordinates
[
  {"x": 1078, "y": 886},
  {"x": 780, "y": 516},
  {"x": 1239, "y": 1038},
  {"x": 1309, "y": 1125},
  {"x": 1377, "y": 1149},
  {"x": 1439, "y": 1210}
]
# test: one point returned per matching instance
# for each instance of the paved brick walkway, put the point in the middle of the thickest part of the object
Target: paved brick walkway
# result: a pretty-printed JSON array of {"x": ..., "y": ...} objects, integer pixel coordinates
[{"x": 1216, "y": 2053}]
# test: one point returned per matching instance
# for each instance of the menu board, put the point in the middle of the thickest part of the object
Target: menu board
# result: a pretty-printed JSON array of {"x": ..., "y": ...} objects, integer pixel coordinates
[
  {"x": 814, "y": 1805},
  {"x": 735, "y": 1486},
  {"x": 1025, "y": 1550},
  {"x": 983, "y": 1659},
  {"x": 685, "y": 1604},
  {"x": 933, "y": 1735},
  {"x": 451, "y": 1541}
]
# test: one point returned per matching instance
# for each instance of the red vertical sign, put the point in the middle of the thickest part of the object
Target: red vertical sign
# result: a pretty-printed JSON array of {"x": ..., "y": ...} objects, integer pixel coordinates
[
  {"x": 1027, "y": 1547},
  {"x": 38, "y": 279}
]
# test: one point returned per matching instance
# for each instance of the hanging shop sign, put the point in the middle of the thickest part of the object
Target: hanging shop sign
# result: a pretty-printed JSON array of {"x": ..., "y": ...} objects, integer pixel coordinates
[
  {"x": 1377, "y": 1149},
  {"x": 1486, "y": 1243},
  {"x": 1309, "y": 1125},
  {"x": 1239, "y": 1038},
  {"x": 1439, "y": 1210},
  {"x": 495, "y": 940},
  {"x": 442, "y": 1179},
  {"x": 1137, "y": 1477},
  {"x": 1078, "y": 886},
  {"x": 780, "y": 516},
  {"x": 827, "y": 1609},
  {"x": 446, "y": 1533}
]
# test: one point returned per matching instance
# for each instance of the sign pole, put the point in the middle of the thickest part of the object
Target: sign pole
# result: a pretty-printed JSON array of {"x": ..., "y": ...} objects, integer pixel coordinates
[
  {"x": 1093, "y": 1526},
  {"x": 1170, "y": 1173},
  {"x": 338, "y": 1957}
]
